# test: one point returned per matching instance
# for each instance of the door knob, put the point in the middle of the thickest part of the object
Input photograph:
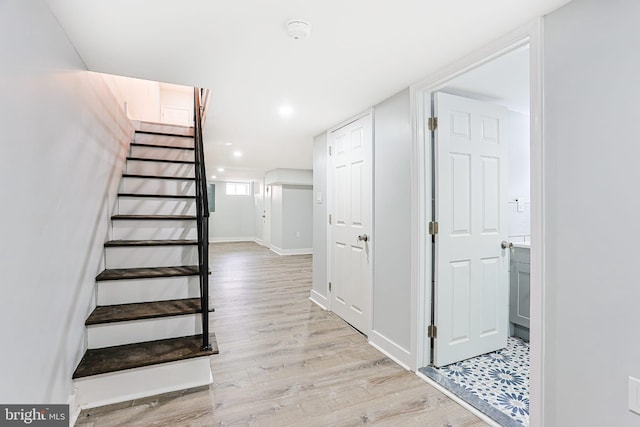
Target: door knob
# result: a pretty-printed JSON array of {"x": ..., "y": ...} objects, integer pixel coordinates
[
  {"x": 363, "y": 238},
  {"x": 505, "y": 244}
]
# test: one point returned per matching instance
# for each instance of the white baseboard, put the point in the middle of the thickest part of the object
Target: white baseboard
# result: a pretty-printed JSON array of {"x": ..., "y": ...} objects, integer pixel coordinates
[
  {"x": 390, "y": 349},
  {"x": 231, "y": 239},
  {"x": 458, "y": 400},
  {"x": 74, "y": 409},
  {"x": 319, "y": 299},
  {"x": 301, "y": 251},
  {"x": 261, "y": 242}
]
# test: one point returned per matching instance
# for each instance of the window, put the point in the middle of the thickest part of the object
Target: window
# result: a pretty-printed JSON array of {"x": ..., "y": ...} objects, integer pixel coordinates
[{"x": 238, "y": 188}]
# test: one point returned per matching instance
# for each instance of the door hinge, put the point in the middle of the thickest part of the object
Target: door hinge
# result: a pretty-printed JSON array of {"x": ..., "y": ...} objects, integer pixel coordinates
[
  {"x": 432, "y": 124},
  {"x": 432, "y": 331},
  {"x": 329, "y": 150},
  {"x": 329, "y": 286},
  {"x": 433, "y": 228},
  {"x": 329, "y": 219}
]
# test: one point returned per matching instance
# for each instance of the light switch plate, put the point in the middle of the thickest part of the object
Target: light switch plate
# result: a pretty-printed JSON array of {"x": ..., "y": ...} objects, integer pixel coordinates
[{"x": 634, "y": 395}]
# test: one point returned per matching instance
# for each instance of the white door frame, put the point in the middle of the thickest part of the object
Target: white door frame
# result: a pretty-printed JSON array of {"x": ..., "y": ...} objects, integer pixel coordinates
[
  {"x": 421, "y": 184},
  {"x": 330, "y": 207}
]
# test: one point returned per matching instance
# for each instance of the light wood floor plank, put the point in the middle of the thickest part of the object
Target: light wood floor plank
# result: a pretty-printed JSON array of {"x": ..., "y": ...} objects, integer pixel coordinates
[{"x": 285, "y": 362}]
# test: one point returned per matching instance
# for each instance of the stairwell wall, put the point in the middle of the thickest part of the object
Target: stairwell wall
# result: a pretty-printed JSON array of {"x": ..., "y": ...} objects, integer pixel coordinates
[{"x": 64, "y": 141}]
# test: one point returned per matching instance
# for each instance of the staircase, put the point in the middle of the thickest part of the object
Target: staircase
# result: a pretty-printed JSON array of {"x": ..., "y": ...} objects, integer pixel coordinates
[{"x": 145, "y": 335}]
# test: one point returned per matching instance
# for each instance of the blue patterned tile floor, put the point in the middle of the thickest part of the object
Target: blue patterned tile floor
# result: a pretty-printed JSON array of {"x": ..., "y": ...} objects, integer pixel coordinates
[{"x": 495, "y": 383}]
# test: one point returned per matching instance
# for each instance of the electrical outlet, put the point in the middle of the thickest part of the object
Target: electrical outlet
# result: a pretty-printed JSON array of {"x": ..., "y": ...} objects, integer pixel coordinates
[{"x": 634, "y": 395}]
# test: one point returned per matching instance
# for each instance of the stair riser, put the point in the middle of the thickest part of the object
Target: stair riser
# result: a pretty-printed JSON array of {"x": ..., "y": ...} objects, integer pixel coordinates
[
  {"x": 146, "y": 206},
  {"x": 157, "y": 186},
  {"x": 161, "y": 153},
  {"x": 122, "y": 386},
  {"x": 154, "y": 229},
  {"x": 111, "y": 292},
  {"x": 110, "y": 334},
  {"x": 172, "y": 141},
  {"x": 138, "y": 167},
  {"x": 150, "y": 256},
  {"x": 164, "y": 128}
]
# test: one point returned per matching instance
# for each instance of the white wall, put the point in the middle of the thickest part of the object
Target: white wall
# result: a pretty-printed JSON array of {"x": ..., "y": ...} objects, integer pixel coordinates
[
  {"x": 234, "y": 218},
  {"x": 291, "y": 219},
  {"x": 592, "y": 93},
  {"x": 64, "y": 140},
  {"x": 289, "y": 176},
  {"x": 297, "y": 208},
  {"x": 519, "y": 177},
  {"x": 392, "y": 227},
  {"x": 176, "y": 97},
  {"x": 142, "y": 97},
  {"x": 320, "y": 220}
]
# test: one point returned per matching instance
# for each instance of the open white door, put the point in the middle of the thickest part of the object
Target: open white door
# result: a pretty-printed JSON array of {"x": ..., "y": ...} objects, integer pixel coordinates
[
  {"x": 350, "y": 244},
  {"x": 471, "y": 267}
]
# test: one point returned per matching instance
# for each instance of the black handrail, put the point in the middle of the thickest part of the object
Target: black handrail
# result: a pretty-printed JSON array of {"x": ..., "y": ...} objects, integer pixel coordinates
[{"x": 202, "y": 207}]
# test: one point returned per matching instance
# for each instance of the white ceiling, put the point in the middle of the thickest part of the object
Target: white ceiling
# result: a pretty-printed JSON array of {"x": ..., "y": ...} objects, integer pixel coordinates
[{"x": 359, "y": 53}]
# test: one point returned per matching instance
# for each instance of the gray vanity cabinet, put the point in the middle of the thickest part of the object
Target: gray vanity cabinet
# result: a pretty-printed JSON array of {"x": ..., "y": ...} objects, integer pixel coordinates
[{"x": 519, "y": 293}]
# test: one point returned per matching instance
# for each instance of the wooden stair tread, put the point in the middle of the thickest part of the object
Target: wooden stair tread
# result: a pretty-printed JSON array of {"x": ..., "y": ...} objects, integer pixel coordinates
[
  {"x": 147, "y": 272},
  {"x": 143, "y": 310},
  {"x": 129, "y": 356},
  {"x": 137, "y": 243},
  {"x": 175, "y": 178},
  {"x": 173, "y": 147},
  {"x": 156, "y": 196},
  {"x": 154, "y": 217},
  {"x": 147, "y": 159}
]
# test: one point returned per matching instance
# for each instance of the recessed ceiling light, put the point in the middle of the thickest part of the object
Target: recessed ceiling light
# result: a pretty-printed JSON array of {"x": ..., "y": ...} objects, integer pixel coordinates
[
  {"x": 285, "y": 110},
  {"x": 228, "y": 144},
  {"x": 237, "y": 154},
  {"x": 220, "y": 169},
  {"x": 213, "y": 177}
]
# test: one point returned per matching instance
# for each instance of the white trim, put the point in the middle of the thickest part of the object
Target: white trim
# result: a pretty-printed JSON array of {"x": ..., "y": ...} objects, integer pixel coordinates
[
  {"x": 74, "y": 408},
  {"x": 390, "y": 349},
  {"x": 420, "y": 95},
  {"x": 285, "y": 252},
  {"x": 538, "y": 185},
  {"x": 318, "y": 299},
  {"x": 329, "y": 205},
  {"x": 458, "y": 400}
]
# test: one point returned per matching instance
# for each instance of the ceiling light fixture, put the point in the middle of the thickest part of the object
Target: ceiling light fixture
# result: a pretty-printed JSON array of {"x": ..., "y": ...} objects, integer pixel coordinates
[
  {"x": 220, "y": 169},
  {"x": 298, "y": 29},
  {"x": 228, "y": 144},
  {"x": 285, "y": 110},
  {"x": 237, "y": 154},
  {"x": 213, "y": 177}
]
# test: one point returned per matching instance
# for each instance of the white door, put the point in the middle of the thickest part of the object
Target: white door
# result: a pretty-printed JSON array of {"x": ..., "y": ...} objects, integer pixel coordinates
[
  {"x": 350, "y": 229},
  {"x": 471, "y": 274}
]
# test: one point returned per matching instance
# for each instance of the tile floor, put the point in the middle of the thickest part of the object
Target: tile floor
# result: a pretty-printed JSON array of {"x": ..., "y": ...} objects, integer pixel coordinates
[{"x": 495, "y": 383}]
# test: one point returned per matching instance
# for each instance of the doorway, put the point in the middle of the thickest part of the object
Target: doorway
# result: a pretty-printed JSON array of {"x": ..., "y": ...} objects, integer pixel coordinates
[{"x": 467, "y": 310}]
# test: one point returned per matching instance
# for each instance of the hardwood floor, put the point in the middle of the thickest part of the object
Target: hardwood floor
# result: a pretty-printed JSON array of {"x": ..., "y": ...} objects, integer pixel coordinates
[{"x": 285, "y": 362}]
